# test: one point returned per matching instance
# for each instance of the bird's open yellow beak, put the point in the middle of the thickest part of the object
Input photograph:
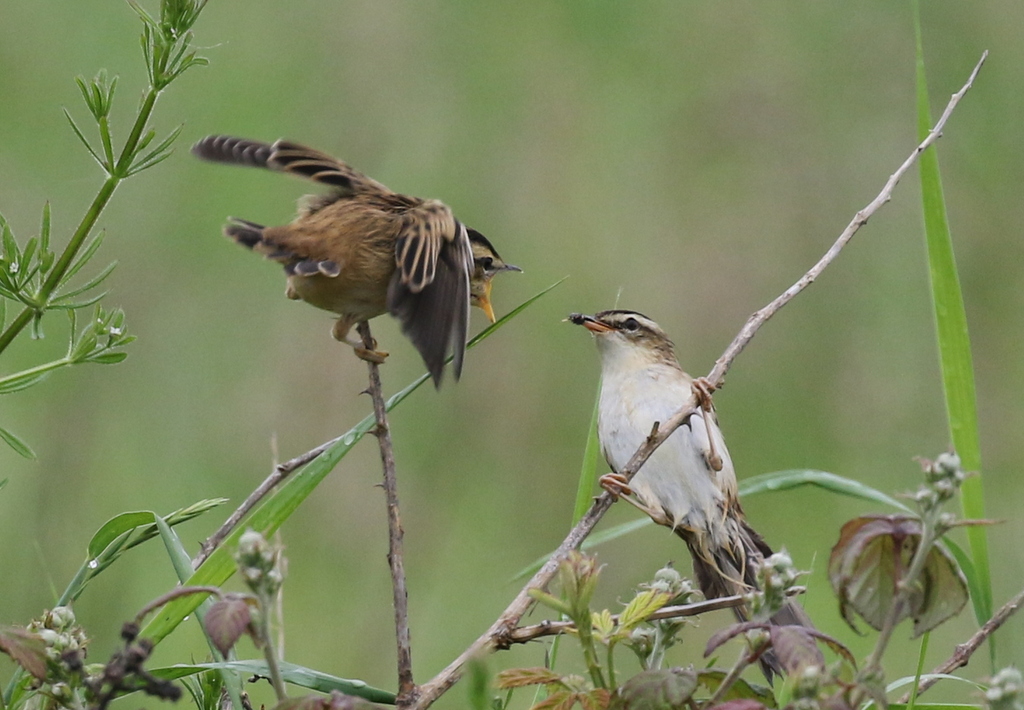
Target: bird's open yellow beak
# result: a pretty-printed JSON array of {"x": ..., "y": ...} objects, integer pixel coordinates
[{"x": 483, "y": 301}]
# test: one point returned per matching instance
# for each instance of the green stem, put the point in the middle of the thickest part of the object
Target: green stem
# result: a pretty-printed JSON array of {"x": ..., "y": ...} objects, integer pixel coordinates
[
  {"x": 590, "y": 654},
  {"x": 85, "y": 227},
  {"x": 730, "y": 678},
  {"x": 268, "y": 649},
  {"x": 920, "y": 669},
  {"x": 611, "y": 666},
  {"x": 37, "y": 370}
]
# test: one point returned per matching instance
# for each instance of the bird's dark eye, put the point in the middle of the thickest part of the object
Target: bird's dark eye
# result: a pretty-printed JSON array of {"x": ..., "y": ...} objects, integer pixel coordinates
[
  {"x": 487, "y": 262},
  {"x": 630, "y": 324}
]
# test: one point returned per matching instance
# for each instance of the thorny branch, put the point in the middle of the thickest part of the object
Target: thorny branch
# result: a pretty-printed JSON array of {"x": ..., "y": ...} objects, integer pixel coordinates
[
  {"x": 280, "y": 472},
  {"x": 501, "y": 630},
  {"x": 963, "y": 652},
  {"x": 406, "y": 685}
]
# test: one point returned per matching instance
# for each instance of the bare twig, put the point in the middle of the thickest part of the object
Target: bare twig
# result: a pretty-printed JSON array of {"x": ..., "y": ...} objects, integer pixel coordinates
[
  {"x": 406, "y": 685},
  {"x": 963, "y": 652},
  {"x": 501, "y": 630},
  {"x": 525, "y": 634},
  {"x": 859, "y": 220},
  {"x": 280, "y": 472}
]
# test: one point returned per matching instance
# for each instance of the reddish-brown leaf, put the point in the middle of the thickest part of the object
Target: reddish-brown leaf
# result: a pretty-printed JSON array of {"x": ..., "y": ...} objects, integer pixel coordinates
[
  {"x": 520, "y": 677},
  {"x": 559, "y": 700},
  {"x": 795, "y": 648},
  {"x": 870, "y": 561},
  {"x": 723, "y": 635},
  {"x": 226, "y": 621},
  {"x": 872, "y": 555},
  {"x": 944, "y": 591},
  {"x": 27, "y": 650}
]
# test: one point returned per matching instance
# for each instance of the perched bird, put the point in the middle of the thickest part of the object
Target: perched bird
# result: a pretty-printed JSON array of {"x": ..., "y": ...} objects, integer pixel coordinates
[
  {"x": 361, "y": 250},
  {"x": 688, "y": 484}
]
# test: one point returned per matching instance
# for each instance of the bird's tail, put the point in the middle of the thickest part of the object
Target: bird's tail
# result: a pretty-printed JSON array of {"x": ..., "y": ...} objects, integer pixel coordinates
[
  {"x": 258, "y": 238},
  {"x": 728, "y": 566}
]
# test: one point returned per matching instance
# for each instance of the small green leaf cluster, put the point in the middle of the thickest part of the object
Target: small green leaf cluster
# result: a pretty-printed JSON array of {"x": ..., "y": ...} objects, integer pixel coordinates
[{"x": 37, "y": 277}]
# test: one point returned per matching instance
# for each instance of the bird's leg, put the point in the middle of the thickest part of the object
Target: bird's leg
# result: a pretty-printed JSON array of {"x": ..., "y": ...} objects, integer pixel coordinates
[
  {"x": 617, "y": 485},
  {"x": 340, "y": 332},
  {"x": 702, "y": 389}
]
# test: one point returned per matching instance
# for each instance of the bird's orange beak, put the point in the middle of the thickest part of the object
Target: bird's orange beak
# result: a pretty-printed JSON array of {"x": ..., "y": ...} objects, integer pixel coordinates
[
  {"x": 483, "y": 302},
  {"x": 589, "y": 322}
]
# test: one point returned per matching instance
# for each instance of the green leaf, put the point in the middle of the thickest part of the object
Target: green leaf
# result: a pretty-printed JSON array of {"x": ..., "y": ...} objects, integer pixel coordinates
[
  {"x": 123, "y": 532},
  {"x": 954, "y": 343},
  {"x": 108, "y": 358},
  {"x": 662, "y": 689},
  {"x": 794, "y": 478},
  {"x": 765, "y": 483},
  {"x": 91, "y": 283},
  {"x": 16, "y": 443},
  {"x": 83, "y": 257},
  {"x": 115, "y": 528},
  {"x": 272, "y": 513},
  {"x": 588, "y": 473},
  {"x": 85, "y": 141},
  {"x": 294, "y": 674},
  {"x": 711, "y": 678},
  {"x": 642, "y": 606}
]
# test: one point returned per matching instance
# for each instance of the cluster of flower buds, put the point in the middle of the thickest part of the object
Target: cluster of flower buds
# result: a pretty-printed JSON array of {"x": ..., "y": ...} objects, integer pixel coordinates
[
  {"x": 259, "y": 563},
  {"x": 63, "y": 637},
  {"x": 1006, "y": 690},
  {"x": 775, "y": 577},
  {"x": 943, "y": 478},
  {"x": 667, "y": 579}
]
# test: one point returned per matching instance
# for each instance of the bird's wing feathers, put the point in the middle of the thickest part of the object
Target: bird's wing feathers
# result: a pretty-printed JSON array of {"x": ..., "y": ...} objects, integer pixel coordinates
[
  {"x": 429, "y": 293},
  {"x": 290, "y": 157}
]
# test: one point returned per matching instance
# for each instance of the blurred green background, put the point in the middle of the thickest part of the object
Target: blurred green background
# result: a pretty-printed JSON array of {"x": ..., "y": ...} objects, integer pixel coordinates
[{"x": 688, "y": 160}]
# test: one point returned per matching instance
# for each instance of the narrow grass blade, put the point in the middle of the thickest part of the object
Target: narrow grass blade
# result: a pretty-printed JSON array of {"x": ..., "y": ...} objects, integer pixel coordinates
[
  {"x": 588, "y": 473},
  {"x": 17, "y": 443},
  {"x": 765, "y": 483},
  {"x": 785, "y": 480},
  {"x": 954, "y": 343},
  {"x": 296, "y": 675},
  {"x": 182, "y": 564},
  {"x": 272, "y": 513}
]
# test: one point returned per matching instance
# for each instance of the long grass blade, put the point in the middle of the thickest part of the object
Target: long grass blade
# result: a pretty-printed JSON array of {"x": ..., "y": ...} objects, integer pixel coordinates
[
  {"x": 269, "y": 516},
  {"x": 588, "y": 473},
  {"x": 296, "y": 675},
  {"x": 954, "y": 344}
]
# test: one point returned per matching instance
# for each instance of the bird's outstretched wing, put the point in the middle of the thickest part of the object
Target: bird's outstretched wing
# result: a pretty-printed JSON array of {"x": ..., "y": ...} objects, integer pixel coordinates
[{"x": 289, "y": 157}]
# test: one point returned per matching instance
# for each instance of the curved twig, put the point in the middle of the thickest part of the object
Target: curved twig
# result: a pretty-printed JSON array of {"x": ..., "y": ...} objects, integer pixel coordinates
[{"x": 504, "y": 626}]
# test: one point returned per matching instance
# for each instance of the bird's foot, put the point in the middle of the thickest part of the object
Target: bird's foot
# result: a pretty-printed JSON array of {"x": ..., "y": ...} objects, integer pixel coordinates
[
  {"x": 618, "y": 487},
  {"x": 616, "y": 484},
  {"x": 702, "y": 389},
  {"x": 374, "y": 356}
]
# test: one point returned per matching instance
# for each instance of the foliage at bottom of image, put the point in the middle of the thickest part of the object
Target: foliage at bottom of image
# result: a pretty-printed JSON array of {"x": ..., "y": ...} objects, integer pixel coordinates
[{"x": 884, "y": 569}]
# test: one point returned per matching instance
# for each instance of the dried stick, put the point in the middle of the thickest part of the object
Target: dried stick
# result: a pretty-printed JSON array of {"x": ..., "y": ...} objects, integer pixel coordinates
[
  {"x": 280, "y": 472},
  {"x": 406, "y": 685},
  {"x": 963, "y": 652},
  {"x": 500, "y": 631}
]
